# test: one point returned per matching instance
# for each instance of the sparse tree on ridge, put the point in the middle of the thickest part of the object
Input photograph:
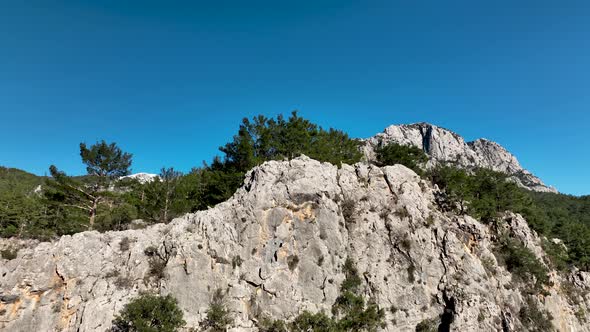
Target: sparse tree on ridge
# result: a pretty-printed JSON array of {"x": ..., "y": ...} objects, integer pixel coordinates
[{"x": 104, "y": 163}]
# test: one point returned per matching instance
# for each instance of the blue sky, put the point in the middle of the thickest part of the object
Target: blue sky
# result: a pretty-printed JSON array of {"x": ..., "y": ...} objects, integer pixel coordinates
[{"x": 170, "y": 81}]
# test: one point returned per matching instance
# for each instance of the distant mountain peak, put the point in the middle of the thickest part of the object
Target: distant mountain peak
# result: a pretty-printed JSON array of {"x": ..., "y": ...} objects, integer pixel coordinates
[
  {"x": 443, "y": 145},
  {"x": 141, "y": 177}
]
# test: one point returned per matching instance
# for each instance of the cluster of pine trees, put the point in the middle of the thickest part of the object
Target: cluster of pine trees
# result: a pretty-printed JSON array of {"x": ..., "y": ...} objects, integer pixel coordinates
[{"x": 101, "y": 201}]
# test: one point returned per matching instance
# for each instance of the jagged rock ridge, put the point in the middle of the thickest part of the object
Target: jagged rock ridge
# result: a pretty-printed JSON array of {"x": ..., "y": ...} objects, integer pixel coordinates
[
  {"x": 443, "y": 145},
  {"x": 416, "y": 261}
]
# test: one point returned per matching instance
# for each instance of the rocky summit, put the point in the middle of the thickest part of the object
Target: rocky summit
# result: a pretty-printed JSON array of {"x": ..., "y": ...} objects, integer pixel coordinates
[
  {"x": 443, "y": 145},
  {"x": 278, "y": 246}
]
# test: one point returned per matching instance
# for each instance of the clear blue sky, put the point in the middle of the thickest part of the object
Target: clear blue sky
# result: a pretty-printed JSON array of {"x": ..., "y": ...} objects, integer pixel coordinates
[{"x": 170, "y": 81}]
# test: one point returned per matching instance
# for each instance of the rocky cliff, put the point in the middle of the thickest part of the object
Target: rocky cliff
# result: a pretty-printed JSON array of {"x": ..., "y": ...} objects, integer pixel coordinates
[
  {"x": 277, "y": 248},
  {"x": 443, "y": 145}
]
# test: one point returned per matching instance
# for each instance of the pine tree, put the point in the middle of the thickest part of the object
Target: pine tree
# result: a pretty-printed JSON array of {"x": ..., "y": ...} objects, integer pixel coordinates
[{"x": 104, "y": 163}]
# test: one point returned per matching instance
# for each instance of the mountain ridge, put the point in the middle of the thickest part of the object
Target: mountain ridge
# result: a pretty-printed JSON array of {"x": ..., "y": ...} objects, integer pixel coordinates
[
  {"x": 417, "y": 261},
  {"x": 445, "y": 146}
]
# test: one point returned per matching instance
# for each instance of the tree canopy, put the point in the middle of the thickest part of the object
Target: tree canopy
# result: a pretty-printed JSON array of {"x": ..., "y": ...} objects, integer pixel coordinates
[
  {"x": 105, "y": 161},
  {"x": 98, "y": 200},
  {"x": 262, "y": 139},
  {"x": 407, "y": 155},
  {"x": 149, "y": 313}
]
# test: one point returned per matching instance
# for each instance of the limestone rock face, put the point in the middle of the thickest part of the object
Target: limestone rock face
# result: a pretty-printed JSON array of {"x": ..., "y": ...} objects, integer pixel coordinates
[
  {"x": 277, "y": 248},
  {"x": 443, "y": 145}
]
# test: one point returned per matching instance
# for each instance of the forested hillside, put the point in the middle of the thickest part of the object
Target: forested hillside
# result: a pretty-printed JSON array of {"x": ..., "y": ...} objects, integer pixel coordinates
[
  {"x": 16, "y": 181},
  {"x": 98, "y": 200}
]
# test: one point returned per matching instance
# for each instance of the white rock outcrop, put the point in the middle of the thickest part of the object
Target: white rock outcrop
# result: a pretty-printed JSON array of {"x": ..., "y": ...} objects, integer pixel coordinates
[
  {"x": 277, "y": 248},
  {"x": 141, "y": 177},
  {"x": 443, "y": 145}
]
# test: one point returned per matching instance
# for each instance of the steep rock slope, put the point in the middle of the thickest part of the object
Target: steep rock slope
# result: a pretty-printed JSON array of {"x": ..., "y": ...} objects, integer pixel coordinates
[
  {"x": 277, "y": 248},
  {"x": 443, "y": 145}
]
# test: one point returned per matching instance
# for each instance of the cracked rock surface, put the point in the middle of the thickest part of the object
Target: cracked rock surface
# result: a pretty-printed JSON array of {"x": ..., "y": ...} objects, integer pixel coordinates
[
  {"x": 277, "y": 248},
  {"x": 443, "y": 145}
]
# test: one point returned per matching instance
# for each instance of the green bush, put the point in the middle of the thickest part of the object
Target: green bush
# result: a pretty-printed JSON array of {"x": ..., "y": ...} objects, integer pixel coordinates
[
  {"x": 149, "y": 313},
  {"x": 348, "y": 207},
  {"x": 218, "y": 317},
  {"x": 483, "y": 194},
  {"x": 9, "y": 253},
  {"x": 116, "y": 217},
  {"x": 269, "y": 325},
  {"x": 157, "y": 263},
  {"x": 410, "y": 156},
  {"x": 534, "y": 318},
  {"x": 307, "y": 321},
  {"x": 523, "y": 263},
  {"x": 349, "y": 311},
  {"x": 428, "y": 325},
  {"x": 558, "y": 255},
  {"x": 350, "y": 308}
]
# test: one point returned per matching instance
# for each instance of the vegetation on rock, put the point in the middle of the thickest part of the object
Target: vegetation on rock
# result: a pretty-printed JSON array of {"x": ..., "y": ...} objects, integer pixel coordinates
[
  {"x": 534, "y": 318},
  {"x": 149, "y": 313},
  {"x": 523, "y": 263},
  {"x": 100, "y": 201},
  {"x": 350, "y": 312},
  {"x": 67, "y": 205},
  {"x": 218, "y": 317},
  {"x": 407, "y": 155},
  {"x": 486, "y": 194}
]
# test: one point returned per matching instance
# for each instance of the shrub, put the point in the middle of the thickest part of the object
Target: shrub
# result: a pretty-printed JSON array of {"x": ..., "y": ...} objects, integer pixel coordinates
[
  {"x": 523, "y": 263},
  {"x": 350, "y": 313},
  {"x": 489, "y": 265},
  {"x": 236, "y": 261},
  {"x": 270, "y": 325},
  {"x": 321, "y": 260},
  {"x": 402, "y": 212},
  {"x": 218, "y": 317},
  {"x": 124, "y": 244},
  {"x": 116, "y": 218},
  {"x": 350, "y": 306},
  {"x": 149, "y": 313},
  {"x": 292, "y": 262},
  {"x": 307, "y": 321},
  {"x": 9, "y": 253},
  {"x": 407, "y": 155},
  {"x": 534, "y": 318},
  {"x": 157, "y": 262},
  {"x": 348, "y": 207},
  {"x": 123, "y": 282},
  {"x": 581, "y": 315},
  {"x": 430, "y": 221},
  {"x": 428, "y": 325},
  {"x": 557, "y": 253},
  {"x": 406, "y": 242},
  {"x": 352, "y": 281}
]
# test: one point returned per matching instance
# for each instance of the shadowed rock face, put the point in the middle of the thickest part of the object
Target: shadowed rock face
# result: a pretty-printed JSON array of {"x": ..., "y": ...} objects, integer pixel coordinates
[
  {"x": 443, "y": 145},
  {"x": 416, "y": 262}
]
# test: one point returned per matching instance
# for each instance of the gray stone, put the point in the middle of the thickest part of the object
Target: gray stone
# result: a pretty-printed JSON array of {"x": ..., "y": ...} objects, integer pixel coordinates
[{"x": 415, "y": 261}]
